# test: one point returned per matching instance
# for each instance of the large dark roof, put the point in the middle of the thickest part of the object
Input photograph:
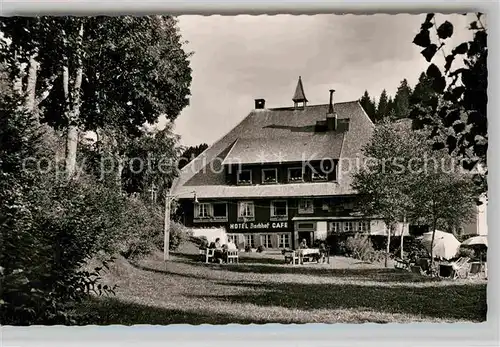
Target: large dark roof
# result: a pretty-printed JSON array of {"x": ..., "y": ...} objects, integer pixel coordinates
[
  {"x": 285, "y": 129},
  {"x": 286, "y": 149}
]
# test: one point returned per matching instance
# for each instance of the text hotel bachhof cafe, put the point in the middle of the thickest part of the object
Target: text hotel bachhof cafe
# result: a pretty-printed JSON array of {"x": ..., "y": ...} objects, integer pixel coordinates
[{"x": 279, "y": 176}]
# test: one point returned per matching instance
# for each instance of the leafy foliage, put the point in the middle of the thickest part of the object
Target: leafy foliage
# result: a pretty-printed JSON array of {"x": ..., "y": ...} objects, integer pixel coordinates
[
  {"x": 360, "y": 247},
  {"x": 49, "y": 228},
  {"x": 457, "y": 113},
  {"x": 151, "y": 160},
  {"x": 133, "y": 71},
  {"x": 407, "y": 178},
  {"x": 135, "y": 68}
]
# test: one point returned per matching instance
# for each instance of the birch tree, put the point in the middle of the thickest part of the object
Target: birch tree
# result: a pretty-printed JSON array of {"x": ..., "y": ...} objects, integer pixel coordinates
[{"x": 88, "y": 73}]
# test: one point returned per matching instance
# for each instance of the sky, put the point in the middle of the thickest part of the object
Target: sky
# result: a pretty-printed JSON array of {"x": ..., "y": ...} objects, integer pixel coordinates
[{"x": 237, "y": 59}]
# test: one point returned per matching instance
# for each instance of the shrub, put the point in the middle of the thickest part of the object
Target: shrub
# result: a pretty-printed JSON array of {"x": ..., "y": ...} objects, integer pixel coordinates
[
  {"x": 360, "y": 247},
  {"x": 342, "y": 249},
  {"x": 260, "y": 249},
  {"x": 248, "y": 248},
  {"x": 178, "y": 235},
  {"x": 59, "y": 225},
  {"x": 201, "y": 241}
]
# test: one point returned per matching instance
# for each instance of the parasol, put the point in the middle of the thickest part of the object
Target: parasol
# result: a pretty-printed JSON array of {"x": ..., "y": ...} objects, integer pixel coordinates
[
  {"x": 445, "y": 244},
  {"x": 476, "y": 240}
]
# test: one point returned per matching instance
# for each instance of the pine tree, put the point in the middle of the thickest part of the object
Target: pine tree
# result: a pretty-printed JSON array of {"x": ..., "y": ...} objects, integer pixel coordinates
[
  {"x": 423, "y": 91},
  {"x": 402, "y": 100},
  {"x": 382, "y": 109},
  {"x": 368, "y": 105}
]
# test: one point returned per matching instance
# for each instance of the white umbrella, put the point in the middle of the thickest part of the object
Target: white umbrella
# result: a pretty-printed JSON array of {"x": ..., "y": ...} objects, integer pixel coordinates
[
  {"x": 476, "y": 240},
  {"x": 445, "y": 244}
]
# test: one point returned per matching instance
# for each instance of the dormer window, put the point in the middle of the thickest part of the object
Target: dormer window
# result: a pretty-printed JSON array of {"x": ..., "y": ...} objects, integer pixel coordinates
[
  {"x": 324, "y": 171},
  {"x": 295, "y": 174},
  {"x": 245, "y": 177},
  {"x": 318, "y": 175},
  {"x": 269, "y": 176}
]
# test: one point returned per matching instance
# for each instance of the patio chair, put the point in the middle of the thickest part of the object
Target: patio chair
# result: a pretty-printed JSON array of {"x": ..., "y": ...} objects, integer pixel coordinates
[
  {"x": 461, "y": 267},
  {"x": 209, "y": 254},
  {"x": 424, "y": 263},
  {"x": 475, "y": 269},
  {"x": 417, "y": 270},
  {"x": 232, "y": 256},
  {"x": 291, "y": 257},
  {"x": 401, "y": 264}
]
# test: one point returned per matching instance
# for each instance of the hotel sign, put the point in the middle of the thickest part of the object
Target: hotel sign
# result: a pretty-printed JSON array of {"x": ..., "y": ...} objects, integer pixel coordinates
[{"x": 252, "y": 225}]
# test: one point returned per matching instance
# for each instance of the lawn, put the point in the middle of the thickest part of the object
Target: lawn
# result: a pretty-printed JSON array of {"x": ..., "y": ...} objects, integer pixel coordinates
[{"x": 261, "y": 289}]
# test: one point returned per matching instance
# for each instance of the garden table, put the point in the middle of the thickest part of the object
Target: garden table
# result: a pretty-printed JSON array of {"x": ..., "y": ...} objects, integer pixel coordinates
[{"x": 306, "y": 253}]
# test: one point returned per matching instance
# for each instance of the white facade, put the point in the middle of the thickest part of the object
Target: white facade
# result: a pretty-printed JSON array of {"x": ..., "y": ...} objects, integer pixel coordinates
[{"x": 378, "y": 227}]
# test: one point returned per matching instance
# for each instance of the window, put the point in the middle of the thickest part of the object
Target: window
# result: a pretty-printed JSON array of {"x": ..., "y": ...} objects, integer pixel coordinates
[
  {"x": 335, "y": 227},
  {"x": 348, "y": 226},
  {"x": 266, "y": 240},
  {"x": 245, "y": 209},
  {"x": 232, "y": 238},
  {"x": 219, "y": 210},
  {"x": 269, "y": 176},
  {"x": 295, "y": 174},
  {"x": 203, "y": 210},
  {"x": 284, "y": 240},
  {"x": 245, "y": 177},
  {"x": 364, "y": 226},
  {"x": 279, "y": 208},
  {"x": 318, "y": 175},
  {"x": 249, "y": 240},
  {"x": 306, "y": 206}
]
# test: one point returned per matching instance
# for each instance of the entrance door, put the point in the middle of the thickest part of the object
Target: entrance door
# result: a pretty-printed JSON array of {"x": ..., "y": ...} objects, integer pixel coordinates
[
  {"x": 304, "y": 230},
  {"x": 306, "y": 235}
]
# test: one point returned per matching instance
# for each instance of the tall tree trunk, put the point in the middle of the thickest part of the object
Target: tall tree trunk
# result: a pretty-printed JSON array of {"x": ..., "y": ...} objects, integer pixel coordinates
[
  {"x": 31, "y": 86},
  {"x": 389, "y": 229},
  {"x": 73, "y": 103},
  {"x": 434, "y": 222},
  {"x": 120, "y": 166}
]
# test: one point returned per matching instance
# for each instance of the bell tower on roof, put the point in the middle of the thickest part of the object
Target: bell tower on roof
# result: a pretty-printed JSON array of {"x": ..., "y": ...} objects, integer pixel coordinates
[{"x": 299, "y": 98}]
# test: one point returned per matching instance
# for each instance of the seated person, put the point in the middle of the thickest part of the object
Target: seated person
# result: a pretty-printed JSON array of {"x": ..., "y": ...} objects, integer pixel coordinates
[
  {"x": 322, "y": 252},
  {"x": 218, "y": 253},
  {"x": 303, "y": 244}
]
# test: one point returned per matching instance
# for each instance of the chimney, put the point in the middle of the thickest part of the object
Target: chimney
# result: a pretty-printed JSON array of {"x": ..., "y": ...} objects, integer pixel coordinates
[
  {"x": 260, "y": 104},
  {"x": 331, "y": 116}
]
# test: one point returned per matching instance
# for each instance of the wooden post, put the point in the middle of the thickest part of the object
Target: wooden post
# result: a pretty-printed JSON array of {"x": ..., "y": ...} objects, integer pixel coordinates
[
  {"x": 402, "y": 235},
  {"x": 389, "y": 229},
  {"x": 166, "y": 241}
]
